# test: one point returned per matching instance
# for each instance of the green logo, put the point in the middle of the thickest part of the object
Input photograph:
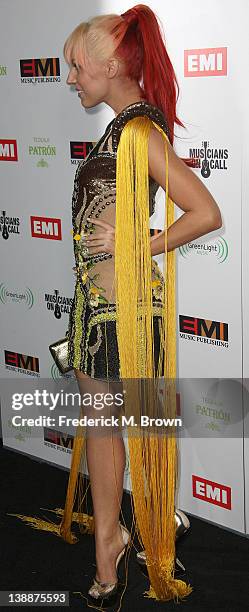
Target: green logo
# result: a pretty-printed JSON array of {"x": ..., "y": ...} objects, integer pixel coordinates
[
  {"x": 42, "y": 164},
  {"x": 218, "y": 249},
  {"x": 3, "y": 70},
  {"x": 210, "y": 408},
  {"x": 56, "y": 374},
  {"x": 23, "y": 431},
  {"x": 26, "y": 297},
  {"x": 42, "y": 148}
]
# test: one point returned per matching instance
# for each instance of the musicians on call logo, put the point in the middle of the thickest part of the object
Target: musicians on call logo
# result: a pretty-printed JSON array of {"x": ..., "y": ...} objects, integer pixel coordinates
[
  {"x": 58, "y": 304},
  {"x": 207, "y": 159},
  {"x": 8, "y": 225}
]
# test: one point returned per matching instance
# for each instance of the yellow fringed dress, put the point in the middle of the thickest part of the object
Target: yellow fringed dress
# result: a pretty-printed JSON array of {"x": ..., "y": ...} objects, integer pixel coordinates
[
  {"x": 122, "y": 326},
  {"x": 142, "y": 356}
]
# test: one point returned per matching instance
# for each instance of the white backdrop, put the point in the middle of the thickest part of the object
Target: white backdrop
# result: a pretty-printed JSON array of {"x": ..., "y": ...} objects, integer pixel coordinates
[{"x": 208, "y": 45}]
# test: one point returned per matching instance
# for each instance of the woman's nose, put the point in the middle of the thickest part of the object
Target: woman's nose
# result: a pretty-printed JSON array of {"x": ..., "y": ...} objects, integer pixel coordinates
[{"x": 70, "y": 79}]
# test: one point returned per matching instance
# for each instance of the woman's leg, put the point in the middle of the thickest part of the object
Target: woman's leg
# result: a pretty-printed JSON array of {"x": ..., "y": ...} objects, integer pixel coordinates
[{"x": 106, "y": 464}]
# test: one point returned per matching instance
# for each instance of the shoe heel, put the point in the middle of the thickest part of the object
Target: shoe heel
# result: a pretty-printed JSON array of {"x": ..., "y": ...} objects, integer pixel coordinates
[
  {"x": 126, "y": 539},
  {"x": 182, "y": 524},
  {"x": 109, "y": 597}
]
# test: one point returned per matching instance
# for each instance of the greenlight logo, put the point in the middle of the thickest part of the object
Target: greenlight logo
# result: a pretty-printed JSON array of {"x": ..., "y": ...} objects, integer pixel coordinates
[
  {"x": 217, "y": 249},
  {"x": 56, "y": 374},
  {"x": 25, "y": 297}
]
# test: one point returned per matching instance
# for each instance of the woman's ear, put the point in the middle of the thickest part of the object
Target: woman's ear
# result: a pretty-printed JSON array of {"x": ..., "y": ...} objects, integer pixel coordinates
[{"x": 112, "y": 68}]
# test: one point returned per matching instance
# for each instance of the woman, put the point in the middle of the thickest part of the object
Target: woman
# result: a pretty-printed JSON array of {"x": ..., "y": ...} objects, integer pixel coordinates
[{"x": 107, "y": 57}]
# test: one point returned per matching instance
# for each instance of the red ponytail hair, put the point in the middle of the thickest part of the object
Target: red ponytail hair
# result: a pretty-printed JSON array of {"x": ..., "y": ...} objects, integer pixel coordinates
[{"x": 143, "y": 51}]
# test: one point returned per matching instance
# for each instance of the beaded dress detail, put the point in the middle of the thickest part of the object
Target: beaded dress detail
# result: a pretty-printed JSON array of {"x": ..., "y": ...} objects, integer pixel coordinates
[{"x": 92, "y": 336}]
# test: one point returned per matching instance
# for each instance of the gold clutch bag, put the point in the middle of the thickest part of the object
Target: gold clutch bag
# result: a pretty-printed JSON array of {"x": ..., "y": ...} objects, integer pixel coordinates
[{"x": 59, "y": 352}]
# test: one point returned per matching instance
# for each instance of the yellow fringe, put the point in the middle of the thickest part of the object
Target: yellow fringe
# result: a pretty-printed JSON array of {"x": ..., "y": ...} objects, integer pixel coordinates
[
  {"x": 153, "y": 457},
  {"x": 38, "y": 523},
  {"x": 180, "y": 592},
  {"x": 77, "y": 517},
  {"x": 75, "y": 481}
]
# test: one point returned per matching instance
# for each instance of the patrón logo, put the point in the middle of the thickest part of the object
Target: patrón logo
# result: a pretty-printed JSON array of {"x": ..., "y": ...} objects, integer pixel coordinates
[{"x": 42, "y": 149}]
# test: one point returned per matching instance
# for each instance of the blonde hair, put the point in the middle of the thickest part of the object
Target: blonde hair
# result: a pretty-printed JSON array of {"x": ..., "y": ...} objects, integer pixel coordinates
[{"x": 93, "y": 40}]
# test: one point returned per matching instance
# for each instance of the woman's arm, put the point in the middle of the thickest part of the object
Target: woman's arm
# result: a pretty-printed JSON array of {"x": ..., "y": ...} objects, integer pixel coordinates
[{"x": 201, "y": 212}]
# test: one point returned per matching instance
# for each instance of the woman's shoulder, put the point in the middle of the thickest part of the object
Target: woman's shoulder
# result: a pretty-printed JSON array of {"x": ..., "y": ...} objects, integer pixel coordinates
[{"x": 137, "y": 109}]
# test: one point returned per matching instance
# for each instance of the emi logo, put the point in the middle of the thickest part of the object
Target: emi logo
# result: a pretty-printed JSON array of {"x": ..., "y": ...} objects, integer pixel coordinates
[
  {"x": 205, "y": 62},
  {"x": 19, "y": 360},
  {"x": 212, "y": 492},
  {"x": 203, "y": 327},
  {"x": 8, "y": 150},
  {"x": 45, "y": 227},
  {"x": 59, "y": 438},
  {"x": 79, "y": 150},
  {"x": 40, "y": 67}
]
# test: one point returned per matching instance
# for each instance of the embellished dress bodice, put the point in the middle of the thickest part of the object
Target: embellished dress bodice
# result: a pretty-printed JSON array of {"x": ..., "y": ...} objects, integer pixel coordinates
[
  {"x": 92, "y": 321},
  {"x": 95, "y": 196}
]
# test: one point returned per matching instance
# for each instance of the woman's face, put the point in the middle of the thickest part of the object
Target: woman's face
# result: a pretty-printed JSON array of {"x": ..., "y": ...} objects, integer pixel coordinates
[{"x": 90, "y": 85}]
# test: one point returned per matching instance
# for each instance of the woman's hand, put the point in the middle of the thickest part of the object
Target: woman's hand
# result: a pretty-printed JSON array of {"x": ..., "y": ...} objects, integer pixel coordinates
[{"x": 104, "y": 241}]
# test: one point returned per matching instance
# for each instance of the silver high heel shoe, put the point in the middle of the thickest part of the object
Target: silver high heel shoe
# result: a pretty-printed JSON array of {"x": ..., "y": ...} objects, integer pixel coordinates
[
  {"x": 106, "y": 590},
  {"x": 182, "y": 525}
]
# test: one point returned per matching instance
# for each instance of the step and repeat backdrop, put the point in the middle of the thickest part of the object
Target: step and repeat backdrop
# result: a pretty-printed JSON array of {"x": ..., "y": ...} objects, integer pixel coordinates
[{"x": 44, "y": 133}]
